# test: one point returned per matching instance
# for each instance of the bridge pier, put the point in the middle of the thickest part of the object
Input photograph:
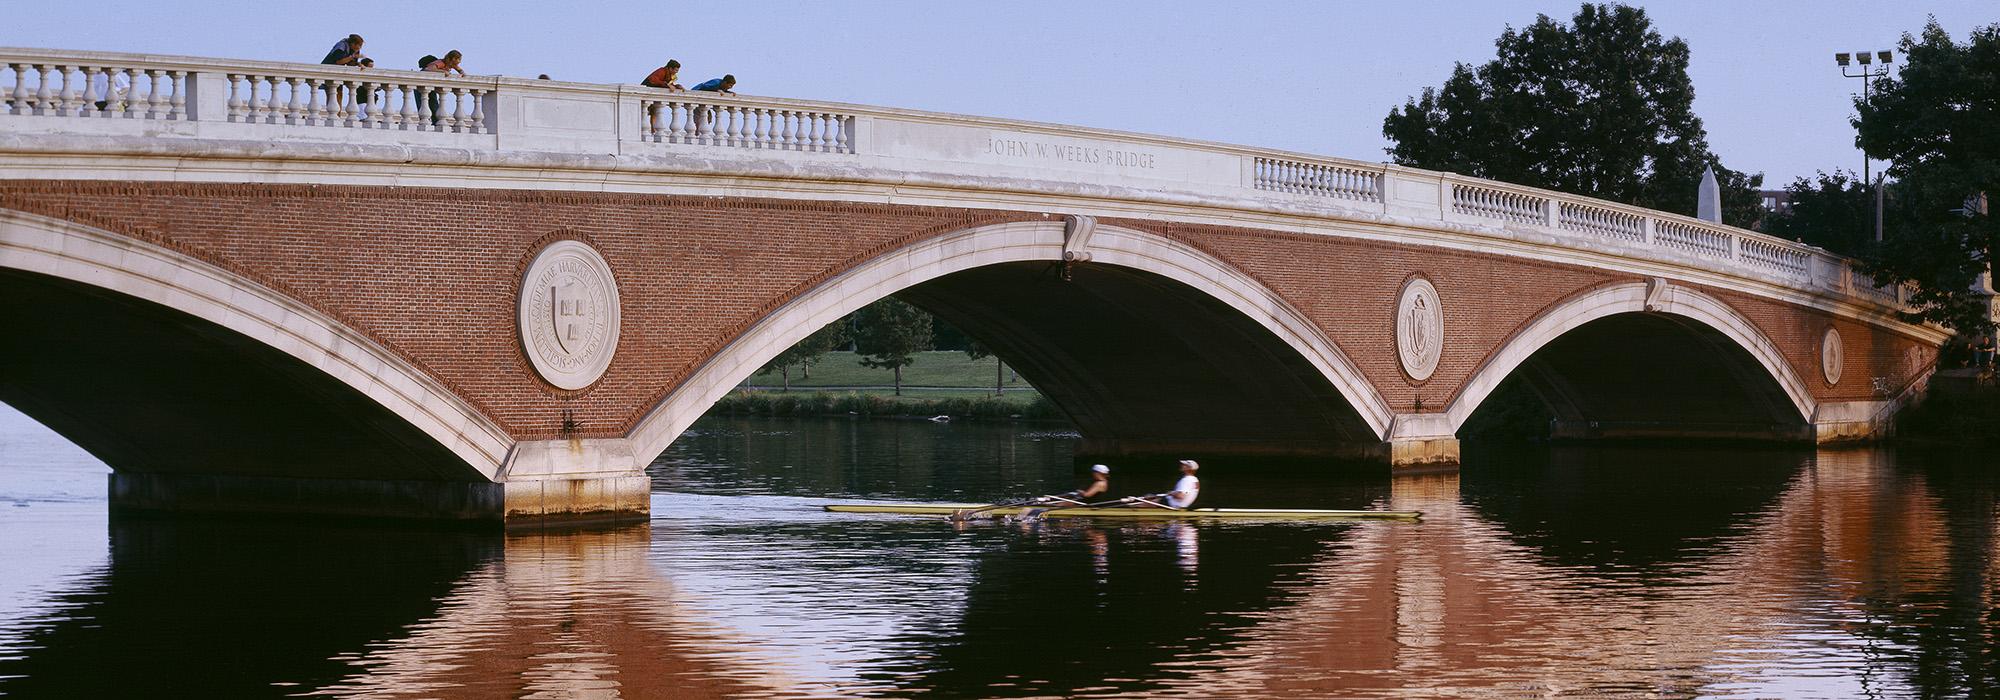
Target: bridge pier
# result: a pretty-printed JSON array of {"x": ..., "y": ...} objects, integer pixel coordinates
[{"x": 1421, "y": 440}]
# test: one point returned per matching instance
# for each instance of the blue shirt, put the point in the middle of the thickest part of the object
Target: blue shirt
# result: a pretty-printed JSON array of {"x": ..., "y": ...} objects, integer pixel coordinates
[{"x": 710, "y": 85}]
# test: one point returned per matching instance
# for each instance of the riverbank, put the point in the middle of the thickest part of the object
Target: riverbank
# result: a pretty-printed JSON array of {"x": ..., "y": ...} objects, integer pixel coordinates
[
  {"x": 1013, "y": 406},
  {"x": 1958, "y": 410}
]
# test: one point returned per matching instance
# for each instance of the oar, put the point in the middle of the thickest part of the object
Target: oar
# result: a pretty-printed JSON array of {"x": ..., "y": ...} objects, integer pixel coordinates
[{"x": 963, "y": 515}]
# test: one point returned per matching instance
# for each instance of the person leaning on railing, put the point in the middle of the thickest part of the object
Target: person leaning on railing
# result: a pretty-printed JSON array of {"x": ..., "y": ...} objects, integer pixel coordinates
[
  {"x": 346, "y": 52},
  {"x": 719, "y": 86},
  {"x": 446, "y": 65},
  {"x": 663, "y": 77}
]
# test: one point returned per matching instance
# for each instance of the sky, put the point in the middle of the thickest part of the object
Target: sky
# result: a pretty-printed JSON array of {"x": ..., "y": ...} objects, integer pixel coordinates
[{"x": 1314, "y": 77}]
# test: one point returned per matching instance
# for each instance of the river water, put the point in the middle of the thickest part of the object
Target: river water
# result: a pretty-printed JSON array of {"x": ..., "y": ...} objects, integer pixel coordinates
[{"x": 1613, "y": 572}]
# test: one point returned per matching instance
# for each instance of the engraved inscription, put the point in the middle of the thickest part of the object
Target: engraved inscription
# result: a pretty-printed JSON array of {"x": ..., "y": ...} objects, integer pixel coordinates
[
  {"x": 1069, "y": 153},
  {"x": 569, "y": 314},
  {"x": 1419, "y": 329}
]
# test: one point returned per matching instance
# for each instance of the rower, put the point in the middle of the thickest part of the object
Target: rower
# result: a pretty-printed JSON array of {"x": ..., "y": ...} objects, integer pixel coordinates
[
  {"x": 1100, "y": 483},
  {"x": 1180, "y": 498},
  {"x": 1187, "y": 488}
]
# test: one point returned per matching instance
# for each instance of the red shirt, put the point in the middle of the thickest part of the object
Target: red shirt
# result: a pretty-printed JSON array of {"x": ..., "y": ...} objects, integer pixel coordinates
[{"x": 657, "y": 79}]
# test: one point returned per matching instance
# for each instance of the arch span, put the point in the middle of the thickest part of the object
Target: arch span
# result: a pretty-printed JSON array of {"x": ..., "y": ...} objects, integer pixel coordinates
[
  {"x": 180, "y": 312},
  {"x": 1657, "y": 297},
  {"x": 1161, "y": 262}
]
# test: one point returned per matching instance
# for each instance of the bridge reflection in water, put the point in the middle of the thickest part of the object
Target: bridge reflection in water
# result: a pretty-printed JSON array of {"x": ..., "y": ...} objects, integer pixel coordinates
[{"x": 1599, "y": 570}]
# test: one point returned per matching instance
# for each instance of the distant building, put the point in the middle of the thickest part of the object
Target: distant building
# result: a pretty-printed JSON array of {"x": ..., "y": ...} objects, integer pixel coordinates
[{"x": 1775, "y": 201}]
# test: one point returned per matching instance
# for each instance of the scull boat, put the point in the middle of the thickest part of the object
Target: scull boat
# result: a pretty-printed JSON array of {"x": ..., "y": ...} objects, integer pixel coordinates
[{"x": 1192, "y": 513}]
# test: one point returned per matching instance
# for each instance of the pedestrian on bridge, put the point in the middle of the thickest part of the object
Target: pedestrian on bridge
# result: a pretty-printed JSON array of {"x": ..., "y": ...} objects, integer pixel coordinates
[
  {"x": 664, "y": 77},
  {"x": 346, "y": 52},
  {"x": 717, "y": 85}
]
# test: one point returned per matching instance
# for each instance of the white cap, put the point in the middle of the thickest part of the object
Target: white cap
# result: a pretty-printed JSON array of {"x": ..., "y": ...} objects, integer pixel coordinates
[
  {"x": 1189, "y": 463},
  {"x": 1101, "y": 469}
]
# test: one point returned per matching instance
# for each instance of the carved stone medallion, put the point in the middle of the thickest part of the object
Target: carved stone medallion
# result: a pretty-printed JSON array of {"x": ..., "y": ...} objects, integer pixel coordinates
[
  {"x": 1419, "y": 329},
  {"x": 569, "y": 314},
  {"x": 1831, "y": 355}
]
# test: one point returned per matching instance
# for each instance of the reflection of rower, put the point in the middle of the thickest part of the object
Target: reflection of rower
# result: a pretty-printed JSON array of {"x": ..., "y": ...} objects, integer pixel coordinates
[{"x": 1183, "y": 494}]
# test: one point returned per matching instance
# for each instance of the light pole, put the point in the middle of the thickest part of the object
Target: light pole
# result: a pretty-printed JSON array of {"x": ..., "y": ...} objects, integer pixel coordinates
[{"x": 1867, "y": 76}]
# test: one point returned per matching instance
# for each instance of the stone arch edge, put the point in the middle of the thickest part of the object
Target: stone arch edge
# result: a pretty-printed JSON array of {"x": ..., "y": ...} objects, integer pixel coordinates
[
  {"x": 1630, "y": 297},
  {"x": 89, "y": 255},
  {"x": 991, "y": 244}
]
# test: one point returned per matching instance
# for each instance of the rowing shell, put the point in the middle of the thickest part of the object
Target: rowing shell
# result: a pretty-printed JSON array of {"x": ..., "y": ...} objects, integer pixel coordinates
[{"x": 1200, "y": 513}]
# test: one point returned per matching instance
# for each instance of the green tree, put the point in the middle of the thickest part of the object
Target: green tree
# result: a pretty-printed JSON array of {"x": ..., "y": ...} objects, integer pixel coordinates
[
  {"x": 1833, "y": 211},
  {"x": 1938, "y": 125},
  {"x": 977, "y": 350},
  {"x": 1601, "y": 107},
  {"x": 807, "y": 352},
  {"x": 888, "y": 335}
]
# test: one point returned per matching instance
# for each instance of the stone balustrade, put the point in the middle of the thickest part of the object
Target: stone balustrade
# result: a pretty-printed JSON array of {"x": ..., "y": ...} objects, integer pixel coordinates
[
  {"x": 161, "y": 98},
  {"x": 363, "y": 99},
  {"x": 717, "y": 122}
]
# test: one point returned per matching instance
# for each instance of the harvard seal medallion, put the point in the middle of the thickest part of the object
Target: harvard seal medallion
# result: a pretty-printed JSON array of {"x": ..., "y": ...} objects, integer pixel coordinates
[
  {"x": 1419, "y": 329},
  {"x": 569, "y": 314},
  {"x": 1831, "y": 355}
]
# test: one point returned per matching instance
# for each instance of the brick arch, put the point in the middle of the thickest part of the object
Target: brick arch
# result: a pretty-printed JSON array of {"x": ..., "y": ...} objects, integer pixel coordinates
[
  {"x": 1657, "y": 296},
  {"x": 152, "y": 273},
  {"x": 994, "y": 244}
]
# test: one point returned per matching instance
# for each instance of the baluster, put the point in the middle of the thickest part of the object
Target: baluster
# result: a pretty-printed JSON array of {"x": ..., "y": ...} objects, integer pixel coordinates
[
  {"x": 322, "y": 102},
  {"x": 760, "y": 130},
  {"x": 347, "y": 104},
  {"x": 65, "y": 100},
  {"x": 269, "y": 107},
  {"x": 297, "y": 105},
  {"x": 423, "y": 94},
  {"x": 20, "y": 105},
  {"x": 42, "y": 96},
  {"x": 666, "y": 115},
  {"x": 407, "y": 119},
  {"x": 847, "y": 134},
  {"x": 90, "y": 108},
  {"x": 784, "y": 135},
  {"x": 818, "y": 132},
  {"x": 456, "y": 124},
  {"x": 235, "y": 98},
  {"x": 177, "y": 102},
  {"x": 156, "y": 101},
  {"x": 447, "y": 110},
  {"x": 478, "y": 111},
  {"x": 400, "y": 116}
]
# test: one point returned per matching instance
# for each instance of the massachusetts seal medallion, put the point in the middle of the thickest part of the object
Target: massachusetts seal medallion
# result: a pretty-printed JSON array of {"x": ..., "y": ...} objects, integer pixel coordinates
[
  {"x": 1419, "y": 329},
  {"x": 569, "y": 314},
  {"x": 1831, "y": 355}
]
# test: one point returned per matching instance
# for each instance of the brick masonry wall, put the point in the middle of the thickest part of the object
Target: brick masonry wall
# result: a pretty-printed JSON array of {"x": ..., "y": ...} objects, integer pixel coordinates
[{"x": 434, "y": 275}]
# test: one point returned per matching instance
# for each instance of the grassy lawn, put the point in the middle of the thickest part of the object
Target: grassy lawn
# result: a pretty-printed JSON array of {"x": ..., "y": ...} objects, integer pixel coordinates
[{"x": 942, "y": 368}]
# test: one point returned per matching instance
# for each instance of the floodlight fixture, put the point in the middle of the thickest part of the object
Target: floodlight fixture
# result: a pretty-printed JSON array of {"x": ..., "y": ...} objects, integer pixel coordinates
[
  {"x": 1886, "y": 56},
  {"x": 1863, "y": 57},
  {"x": 1840, "y": 58}
]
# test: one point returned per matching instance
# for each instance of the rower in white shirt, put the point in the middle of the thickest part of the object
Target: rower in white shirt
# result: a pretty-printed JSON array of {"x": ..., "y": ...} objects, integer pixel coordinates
[
  {"x": 1180, "y": 498},
  {"x": 1187, "y": 488}
]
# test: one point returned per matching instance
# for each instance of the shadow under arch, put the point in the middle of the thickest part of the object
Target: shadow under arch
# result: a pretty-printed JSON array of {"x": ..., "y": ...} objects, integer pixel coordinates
[
  {"x": 1644, "y": 359},
  {"x": 170, "y": 364},
  {"x": 1140, "y": 296}
]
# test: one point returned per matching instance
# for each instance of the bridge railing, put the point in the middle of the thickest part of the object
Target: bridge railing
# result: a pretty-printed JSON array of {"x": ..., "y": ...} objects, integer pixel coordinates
[{"x": 272, "y": 104}]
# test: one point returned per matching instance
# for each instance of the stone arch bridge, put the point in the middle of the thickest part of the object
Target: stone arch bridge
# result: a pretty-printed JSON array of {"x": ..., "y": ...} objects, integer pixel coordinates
[{"x": 244, "y": 291}]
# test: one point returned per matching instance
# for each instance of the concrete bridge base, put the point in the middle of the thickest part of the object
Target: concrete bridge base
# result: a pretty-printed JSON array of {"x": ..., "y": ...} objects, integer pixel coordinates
[{"x": 518, "y": 504}]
